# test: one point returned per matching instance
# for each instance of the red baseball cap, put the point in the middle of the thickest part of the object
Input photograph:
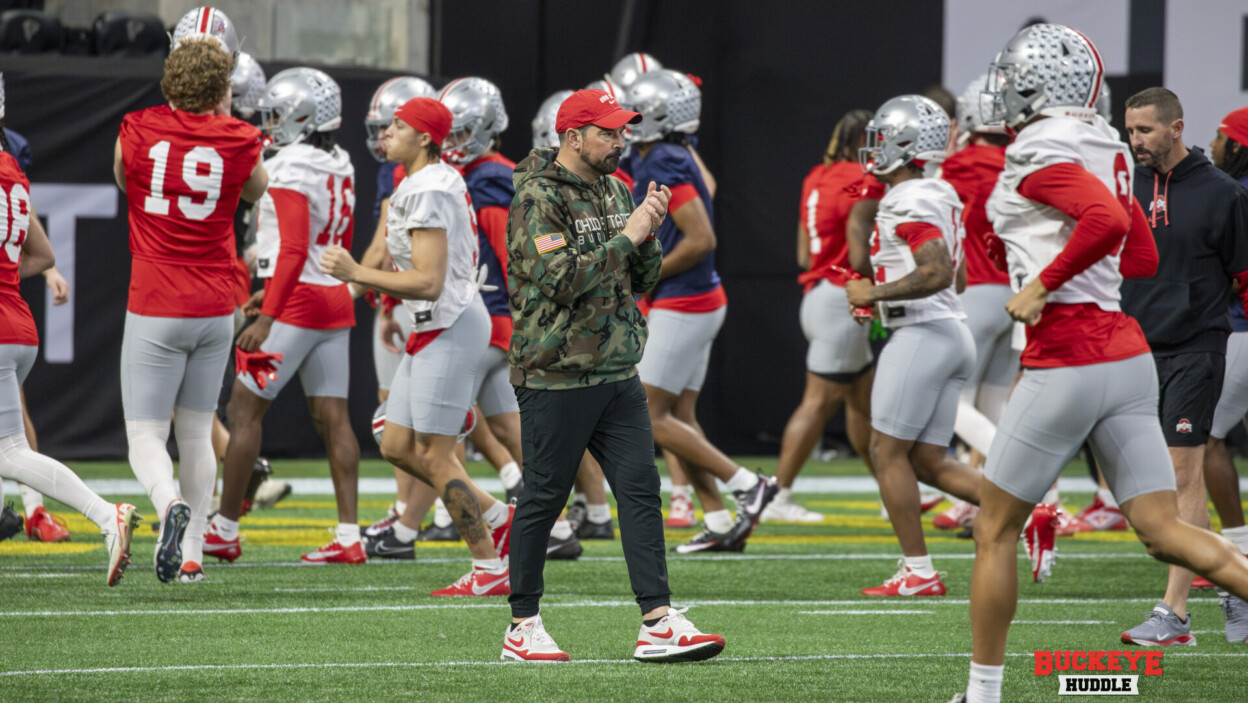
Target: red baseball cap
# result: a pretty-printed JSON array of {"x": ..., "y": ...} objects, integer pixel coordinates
[
  {"x": 1235, "y": 126},
  {"x": 596, "y": 107},
  {"x": 427, "y": 115}
]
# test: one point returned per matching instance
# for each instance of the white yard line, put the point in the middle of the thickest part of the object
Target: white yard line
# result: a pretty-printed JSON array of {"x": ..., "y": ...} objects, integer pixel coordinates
[
  {"x": 493, "y": 663},
  {"x": 1063, "y": 622},
  {"x": 864, "y": 612}
]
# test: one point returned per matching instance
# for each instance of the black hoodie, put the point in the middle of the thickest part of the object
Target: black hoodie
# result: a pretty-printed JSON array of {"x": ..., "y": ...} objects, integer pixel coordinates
[{"x": 1199, "y": 217}]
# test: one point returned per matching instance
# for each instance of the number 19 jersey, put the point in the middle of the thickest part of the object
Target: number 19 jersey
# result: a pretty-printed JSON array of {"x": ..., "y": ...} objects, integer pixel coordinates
[{"x": 184, "y": 177}]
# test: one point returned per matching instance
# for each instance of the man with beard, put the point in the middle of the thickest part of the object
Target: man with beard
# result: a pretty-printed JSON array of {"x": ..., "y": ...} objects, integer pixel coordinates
[{"x": 577, "y": 254}]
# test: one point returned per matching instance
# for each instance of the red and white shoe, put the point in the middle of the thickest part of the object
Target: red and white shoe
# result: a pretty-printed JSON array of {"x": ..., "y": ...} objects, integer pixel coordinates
[
  {"x": 1068, "y": 524},
  {"x": 960, "y": 515},
  {"x": 117, "y": 540},
  {"x": 927, "y": 501},
  {"x": 335, "y": 553},
  {"x": 43, "y": 526},
  {"x": 1202, "y": 583},
  {"x": 674, "y": 639},
  {"x": 1040, "y": 535},
  {"x": 1102, "y": 517},
  {"x": 528, "y": 641},
  {"x": 907, "y": 583},
  {"x": 217, "y": 546},
  {"x": 501, "y": 535},
  {"x": 478, "y": 582},
  {"x": 679, "y": 512}
]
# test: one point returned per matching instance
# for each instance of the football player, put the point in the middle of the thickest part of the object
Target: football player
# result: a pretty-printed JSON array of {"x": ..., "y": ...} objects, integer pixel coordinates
[
  {"x": 1072, "y": 232},
  {"x": 916, "y": 253},
  {"x": 183, "y": 167},
  {"x": 26, "y": 251},
  {"x": 687, "y": 307},
  {"x": 838, "y": 359},
  {"x": 431, "y": 240},
  {"x": 302, "y": 317}
]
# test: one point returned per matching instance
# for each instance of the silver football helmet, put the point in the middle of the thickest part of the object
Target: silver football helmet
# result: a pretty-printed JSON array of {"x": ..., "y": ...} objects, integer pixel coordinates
[
  {"x": 2, "y": 97},
  {"x": 905, "y": 128},
  {"x": 970, "y": 111},
  {"x": 544, "y": 134},
  {"x": 298, "y": 102},
  {"x": 1046, "y": 69},
  {"x": 668, "y": 102},
  {"x": 207, "y": 22},
  {"x": 1104, "y": 104},
  {"x": 247, "y": 82},
  {"x": 627, "y": 69},
  {"x": 478, "y": 116},
  {"x": 388, "y": 97},
  {"x": 606, "y": 84}
]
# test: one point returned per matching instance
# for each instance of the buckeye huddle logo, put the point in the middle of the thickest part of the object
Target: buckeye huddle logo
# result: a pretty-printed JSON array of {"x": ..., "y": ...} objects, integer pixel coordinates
[{"x": 1099, "y": 671}]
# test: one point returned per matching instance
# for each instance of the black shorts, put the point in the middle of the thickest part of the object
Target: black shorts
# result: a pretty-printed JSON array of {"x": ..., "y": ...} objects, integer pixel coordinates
[{"x": 1190, "y": 385}]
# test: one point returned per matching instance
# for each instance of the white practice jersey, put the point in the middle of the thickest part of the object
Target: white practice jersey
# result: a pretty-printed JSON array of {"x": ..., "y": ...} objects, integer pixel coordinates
[
  {"x": 327, "y": 181},
  {"x": 1033, "y": 233},
  {"x": 931, "y": 201},
  {"x": 436, "y": 197}
]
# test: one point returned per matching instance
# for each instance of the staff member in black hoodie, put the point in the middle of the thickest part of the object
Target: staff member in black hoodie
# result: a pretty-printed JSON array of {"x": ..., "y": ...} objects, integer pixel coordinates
[{"x": 1199, "y": 218}]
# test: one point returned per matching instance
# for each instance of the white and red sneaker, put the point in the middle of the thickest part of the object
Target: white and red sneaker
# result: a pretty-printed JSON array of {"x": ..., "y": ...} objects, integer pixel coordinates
[
  {"x": 929, "y": 500},
  {"x": 907, "y": 583},
  {"x": 674, "y": 639},
  {"x": 679, "y": 512},
  {"x": 217, "y": 546},
  {"x": 117, "y": 540},
  {"x": 1040, "y": 535},
  {"x": 501, "y": 535},
  {"x": 960, "y": 515},
  {"x": 43, "y": 526},
  {"x": 528, "y": 641},
  {"x": 478, "y": 582},
  {"x": 1102, "y": 517},
  {"x": 334, "y": 553},
  {"x": 1068, "y": 524}
]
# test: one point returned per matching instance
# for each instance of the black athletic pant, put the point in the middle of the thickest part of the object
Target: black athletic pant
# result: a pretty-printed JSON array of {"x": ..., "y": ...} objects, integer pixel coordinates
[{"x": 613, "y": 422}]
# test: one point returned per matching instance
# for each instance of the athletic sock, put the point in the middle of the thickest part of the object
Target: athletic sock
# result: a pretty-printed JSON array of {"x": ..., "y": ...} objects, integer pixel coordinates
[
  {"x": 197, "y": 474},
  {"x": 561, "y": 530},
  {"x": 743, "y": 480},
  {"x": 150, "y": 461},
  {"x": 1107, "y": 497},
  {"x": 682, "y": 490},
  {"x": 718, "y": 520},
  {"x": 984, "y": 685},
  {"x": 598, "y": 514},
  {"x": 400, "y": 507},
  {"x": 441, "y": 516},
  {"x": 1051, "y": 497},
  {"x": 347, "y": 534},
  {"x": 651, "y": 622},
  {"x": 32, "y": 500},
  {"x": 53, "y": 479},
  {"x": 921, "y": 566},
  {"x": 509, "y": 474},
  {"x": 403, "y": 533},
  {"x": 495, "y": 515},
  {"x": 1238, "y": 537},
  {"x": 490, "y": 566},
  {"x": 226, "y": 528}
]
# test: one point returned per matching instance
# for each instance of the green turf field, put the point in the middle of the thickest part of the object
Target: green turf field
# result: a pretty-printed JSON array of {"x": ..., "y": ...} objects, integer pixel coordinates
[{"x": 268, "y": 628}]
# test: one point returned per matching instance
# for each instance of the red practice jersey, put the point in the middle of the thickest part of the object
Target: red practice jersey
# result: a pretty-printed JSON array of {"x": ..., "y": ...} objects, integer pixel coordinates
[
  {"x": 184, "y": 177},
  {"x": 973, "y": 172},
  {"x": 828, "y": 193},
  {"x": 16, "y": 324}
]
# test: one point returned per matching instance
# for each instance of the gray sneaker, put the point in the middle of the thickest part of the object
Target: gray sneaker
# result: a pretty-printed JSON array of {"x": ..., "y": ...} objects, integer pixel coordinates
[
  {"x": 1236, "y": 618},
  {"x": 1161, "y": 628}
]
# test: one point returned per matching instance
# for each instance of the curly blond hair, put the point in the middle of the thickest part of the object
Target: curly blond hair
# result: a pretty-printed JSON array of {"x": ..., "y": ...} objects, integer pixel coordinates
[{"x": 197, "y": 75}]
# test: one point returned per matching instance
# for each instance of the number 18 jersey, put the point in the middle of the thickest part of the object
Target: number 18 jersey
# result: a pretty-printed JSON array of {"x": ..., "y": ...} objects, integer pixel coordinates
[{"x": 184, "y": 177}]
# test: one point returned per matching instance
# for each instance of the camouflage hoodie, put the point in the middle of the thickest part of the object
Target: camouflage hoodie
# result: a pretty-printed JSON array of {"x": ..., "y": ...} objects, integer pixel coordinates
[{"x": 571, "y": 278}]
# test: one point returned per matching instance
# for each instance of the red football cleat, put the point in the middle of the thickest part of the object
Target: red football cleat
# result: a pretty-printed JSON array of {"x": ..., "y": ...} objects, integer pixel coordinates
[
  {"x": 46, "y": 527},
  {"x": 334, "y": 553},
  {"x": 907, "y": 583},
  {"x": 961, "y": 515},
  {"x": 217, "y": 546},
  {"x": 1102, "y": 517},
  {"x": 478, "y": 582},
  {"x": 679, "y": 512},
  {"x": 501, "y": 535},
  {"x": 1068, "y": 524},
  {"x": 1040, "y": 534}
]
